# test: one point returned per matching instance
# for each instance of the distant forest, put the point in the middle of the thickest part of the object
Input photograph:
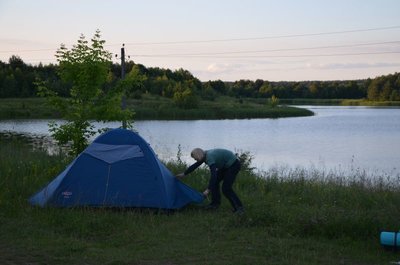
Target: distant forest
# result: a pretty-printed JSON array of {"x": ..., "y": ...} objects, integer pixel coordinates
[{"x": 18, "y": 79}]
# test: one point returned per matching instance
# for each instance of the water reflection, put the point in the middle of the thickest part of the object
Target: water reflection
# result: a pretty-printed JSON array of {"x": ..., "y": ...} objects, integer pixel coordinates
[{"x": 35, "y": 141}]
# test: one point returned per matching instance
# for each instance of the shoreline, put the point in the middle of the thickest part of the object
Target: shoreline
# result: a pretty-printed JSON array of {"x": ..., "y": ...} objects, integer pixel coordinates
[{"x": 157, "y": 108}]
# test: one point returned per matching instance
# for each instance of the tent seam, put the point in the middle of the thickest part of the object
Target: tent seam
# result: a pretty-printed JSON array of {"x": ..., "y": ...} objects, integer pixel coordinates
[{"x": 108, "y": 180}]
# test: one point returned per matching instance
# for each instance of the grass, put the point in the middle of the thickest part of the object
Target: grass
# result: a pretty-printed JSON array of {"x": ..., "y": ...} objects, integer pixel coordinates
[
  {"x": 293, "y": 216},
  {"x": 363, "y": 102},
  {"x": 338, "y": 102},
  {"x": 160, "y": 108},
  {"x": 25, "y": 108},
  {"x": 222, "y": 108}
]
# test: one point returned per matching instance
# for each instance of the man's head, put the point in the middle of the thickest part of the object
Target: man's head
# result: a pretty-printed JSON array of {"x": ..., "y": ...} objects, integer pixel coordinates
[{"x": 198, "y": 154}]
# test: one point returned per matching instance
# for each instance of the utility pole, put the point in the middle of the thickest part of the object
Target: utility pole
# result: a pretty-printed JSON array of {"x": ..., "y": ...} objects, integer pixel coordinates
[
  {"x": 123, "y": 101},
  {"x": 123, "y": 61}
]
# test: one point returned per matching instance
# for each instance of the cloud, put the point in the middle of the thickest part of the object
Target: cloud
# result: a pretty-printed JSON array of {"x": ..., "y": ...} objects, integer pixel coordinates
[
  {"x": 234, "y": 67},
  {"x": 220, "y": 68},
  {"x": 218, "y": 71}
]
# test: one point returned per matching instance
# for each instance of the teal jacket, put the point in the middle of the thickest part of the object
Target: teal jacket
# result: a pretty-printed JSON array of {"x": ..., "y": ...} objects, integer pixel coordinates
[{"x": 216, "y": 159}]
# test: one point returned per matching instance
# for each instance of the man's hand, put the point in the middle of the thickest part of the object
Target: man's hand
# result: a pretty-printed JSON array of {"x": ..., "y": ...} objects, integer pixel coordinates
[
  {"x": 180, "y": 175},
  {"x": 206, "y": 192}
]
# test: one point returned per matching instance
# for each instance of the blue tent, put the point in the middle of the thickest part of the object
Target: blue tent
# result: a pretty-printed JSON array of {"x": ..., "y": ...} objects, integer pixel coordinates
[{"x": 119, "y": 169}]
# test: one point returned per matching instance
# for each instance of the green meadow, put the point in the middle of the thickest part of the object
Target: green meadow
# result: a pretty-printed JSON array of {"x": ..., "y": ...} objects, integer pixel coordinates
[
  {"x": 293, "y": 216},
  {"x": 161, "y": 108}
]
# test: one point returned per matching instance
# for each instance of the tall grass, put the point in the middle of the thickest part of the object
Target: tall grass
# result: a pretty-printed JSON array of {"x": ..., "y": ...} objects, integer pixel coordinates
[
  {"x": 293, "y": 216},
  {"x": 310, "y": 202}
]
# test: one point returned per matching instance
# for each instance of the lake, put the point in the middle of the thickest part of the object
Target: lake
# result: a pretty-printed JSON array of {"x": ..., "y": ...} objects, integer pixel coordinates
[{"x": 337, "y": 138}]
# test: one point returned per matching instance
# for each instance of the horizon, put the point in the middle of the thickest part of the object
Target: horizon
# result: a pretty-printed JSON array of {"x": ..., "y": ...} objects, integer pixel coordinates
[
  {"x": 224, "y": 40},
  {"x": 232, "y": 81}
]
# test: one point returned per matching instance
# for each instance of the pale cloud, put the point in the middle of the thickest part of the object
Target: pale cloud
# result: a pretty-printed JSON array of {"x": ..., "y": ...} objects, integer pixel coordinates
[
  {"x": 235, "y": 67},
  {"x": 215, "y": 71},
  {"x": 219, "y": 67}
]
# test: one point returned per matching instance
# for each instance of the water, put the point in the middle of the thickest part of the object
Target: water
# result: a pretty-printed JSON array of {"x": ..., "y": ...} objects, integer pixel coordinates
[{"x": 336, "y": 138}]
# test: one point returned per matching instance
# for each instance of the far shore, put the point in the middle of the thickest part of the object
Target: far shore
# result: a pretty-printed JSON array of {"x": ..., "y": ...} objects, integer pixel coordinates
[{"x": 160, "y": 108}]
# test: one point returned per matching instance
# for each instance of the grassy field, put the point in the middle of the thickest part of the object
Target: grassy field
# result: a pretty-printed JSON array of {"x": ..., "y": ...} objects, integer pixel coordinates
[
  {"x": 293, "y": 216},
  {"x": 159, "y": 108}
]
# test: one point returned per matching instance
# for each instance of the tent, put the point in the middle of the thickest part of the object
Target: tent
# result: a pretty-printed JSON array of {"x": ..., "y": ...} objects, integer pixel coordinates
[{"x": 119, "y": 169}]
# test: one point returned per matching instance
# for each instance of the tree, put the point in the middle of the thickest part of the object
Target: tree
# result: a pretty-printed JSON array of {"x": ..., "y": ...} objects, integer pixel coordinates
[
  {"x": 373, "y": 90},
  {"x": 135, "y": 83},
  {"x": 386, "y": 91},
  {"x": 184, "y": 97},
  {"x": 257, "y": 84},
  {"x": 266, "y": 89},
  {"x": 208, "y": 92},
  {"x": 85, "y": 67},
  {"x": 218, "y": 86},
  {"x": 273, "y": 102},
  {"x": 9, "y": 86},
  {"x": 314, "y": 90},
  {"x": 243, "y": 88},
  {"x": 299, "y": 90},
  {"x": 16, "y": 62},
  {"x": 158, "y": 85}
]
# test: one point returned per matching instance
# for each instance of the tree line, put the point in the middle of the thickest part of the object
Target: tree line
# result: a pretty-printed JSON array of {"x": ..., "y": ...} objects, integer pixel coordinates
[{"x": 18, "y": 79}]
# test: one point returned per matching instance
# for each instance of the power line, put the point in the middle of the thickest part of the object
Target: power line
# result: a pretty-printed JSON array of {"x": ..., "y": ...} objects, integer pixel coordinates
[
  {"x": 268, "y": 50},
  {"x": 223, "y": 54},
  {"x": 213, "y": 54},
  {"x": 278, "y": 56},
  {"x": 36, "y": 50},
  {"x": 229, "y": 40},
  {"x": 261, "y": 38},
  {"x": 315, "y": 55}
]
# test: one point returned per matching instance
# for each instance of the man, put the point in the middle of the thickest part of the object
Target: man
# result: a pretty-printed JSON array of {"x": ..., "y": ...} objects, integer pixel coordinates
[{"x": 224, "y": 166}]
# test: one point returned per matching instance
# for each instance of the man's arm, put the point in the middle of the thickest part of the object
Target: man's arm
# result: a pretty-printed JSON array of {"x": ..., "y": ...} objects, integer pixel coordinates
[{"x": 192, "y": 168}]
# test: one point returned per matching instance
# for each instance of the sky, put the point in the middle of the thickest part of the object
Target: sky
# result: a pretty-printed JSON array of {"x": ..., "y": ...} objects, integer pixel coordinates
[{"x": 285, "y": 40}]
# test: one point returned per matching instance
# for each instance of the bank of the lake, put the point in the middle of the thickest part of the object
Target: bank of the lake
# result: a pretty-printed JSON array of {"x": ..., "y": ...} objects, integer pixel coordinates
[
  {"x": 161, "y": 108},
  {"x": 304, "y": 217},
  {"x": 339, "y": 102}
]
